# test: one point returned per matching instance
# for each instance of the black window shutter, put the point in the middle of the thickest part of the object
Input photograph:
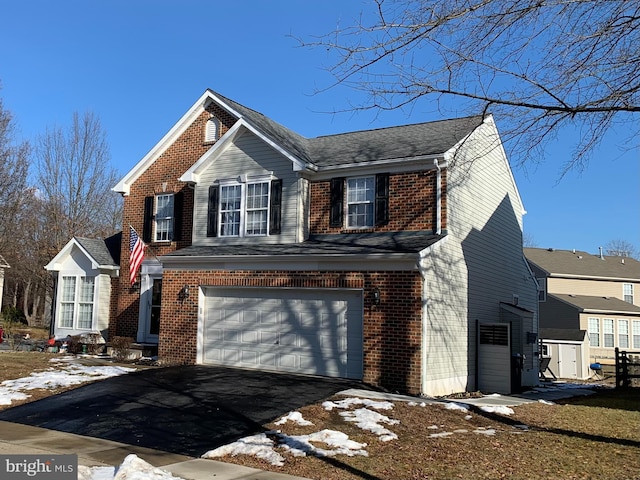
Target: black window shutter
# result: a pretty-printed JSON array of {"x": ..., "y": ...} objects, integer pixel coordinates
[
  {"x": 178, "y": 202},
  {"x": 275, "y": 207},
  {"x": 382, "y": 199},
  {"x": 212, "y": 211},
  {"x": 147, "y": 226},
  {"x": 337, "y": 200}
]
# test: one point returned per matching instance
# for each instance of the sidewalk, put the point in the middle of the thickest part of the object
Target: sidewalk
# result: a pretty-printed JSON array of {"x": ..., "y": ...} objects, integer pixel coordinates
[{"x": 21, "y": 439}]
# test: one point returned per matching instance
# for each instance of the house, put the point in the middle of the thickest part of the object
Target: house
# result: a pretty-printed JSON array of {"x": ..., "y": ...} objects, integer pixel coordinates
[
  {"x": 588, "y": 306},
  {"x": 85, "y": 274},
  {"x": 392, "y": 256},
  {"x": 3, "y": 265}
]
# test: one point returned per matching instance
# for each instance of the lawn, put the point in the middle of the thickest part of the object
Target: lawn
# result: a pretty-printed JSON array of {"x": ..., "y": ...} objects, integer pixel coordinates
[{"x": 594, "y": 437}]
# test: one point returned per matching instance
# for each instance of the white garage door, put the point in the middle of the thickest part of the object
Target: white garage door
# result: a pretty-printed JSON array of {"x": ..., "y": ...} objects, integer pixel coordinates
[{"x": 313, "y": 331}]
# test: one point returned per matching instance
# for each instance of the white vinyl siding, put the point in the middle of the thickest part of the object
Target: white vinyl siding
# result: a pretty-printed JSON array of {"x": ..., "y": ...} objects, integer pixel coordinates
[
  {"x": 251, "y": 157},
  {"x": 608, "y": 332},
  {"x": 594, "y": 331},
  {"x": 623, "y": 333}
]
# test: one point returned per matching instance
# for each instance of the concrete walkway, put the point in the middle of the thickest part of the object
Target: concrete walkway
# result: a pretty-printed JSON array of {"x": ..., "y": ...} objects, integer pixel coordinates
[{"x": 21, "y": 439}]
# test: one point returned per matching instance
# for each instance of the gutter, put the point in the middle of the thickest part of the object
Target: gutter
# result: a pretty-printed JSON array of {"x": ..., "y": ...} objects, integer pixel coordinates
[{"x": 438, "y": 197}]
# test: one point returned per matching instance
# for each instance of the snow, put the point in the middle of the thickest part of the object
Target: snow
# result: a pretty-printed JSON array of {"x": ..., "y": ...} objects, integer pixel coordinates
[
  {"x": 64, "y": 372},
  {"x": 132, "y": 468},
  {"x": 270, "y": 446}
]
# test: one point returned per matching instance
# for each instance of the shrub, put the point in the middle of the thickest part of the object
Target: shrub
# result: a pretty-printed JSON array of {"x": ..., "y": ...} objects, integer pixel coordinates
[{"x": 120, "y": 347}]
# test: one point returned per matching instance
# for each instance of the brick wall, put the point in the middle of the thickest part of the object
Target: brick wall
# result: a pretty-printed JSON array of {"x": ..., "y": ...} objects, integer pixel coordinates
[
  {"x": 412, "y": 203},
  {"x": 161, "y": 176},
  {"x": 392, "y": 330}
]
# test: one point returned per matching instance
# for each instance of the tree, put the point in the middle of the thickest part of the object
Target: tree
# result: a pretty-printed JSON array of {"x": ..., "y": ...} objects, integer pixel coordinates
[
  {"x": 620, "y": 248},
  {"x": 539, "y": 66},
  {"x": 74, "y": 180}
]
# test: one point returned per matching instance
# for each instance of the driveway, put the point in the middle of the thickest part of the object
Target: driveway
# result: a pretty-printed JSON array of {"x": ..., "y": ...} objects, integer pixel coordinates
[{"x": 186, "y": 410}]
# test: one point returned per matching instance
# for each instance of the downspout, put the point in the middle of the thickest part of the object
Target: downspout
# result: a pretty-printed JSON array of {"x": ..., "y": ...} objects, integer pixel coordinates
[{"x": 438, "y": 197}]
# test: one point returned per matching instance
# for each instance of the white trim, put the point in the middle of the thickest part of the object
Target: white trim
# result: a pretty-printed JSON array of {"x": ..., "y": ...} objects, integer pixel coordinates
[{"x": 56, "y": 262}]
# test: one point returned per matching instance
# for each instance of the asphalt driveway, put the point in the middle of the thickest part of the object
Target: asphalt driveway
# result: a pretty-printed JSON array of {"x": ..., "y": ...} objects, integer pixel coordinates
[{"x": 186, "y": 410}]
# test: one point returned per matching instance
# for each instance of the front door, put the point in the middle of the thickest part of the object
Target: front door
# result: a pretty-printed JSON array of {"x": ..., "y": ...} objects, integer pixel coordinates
[{"x": 150, "y": 301}]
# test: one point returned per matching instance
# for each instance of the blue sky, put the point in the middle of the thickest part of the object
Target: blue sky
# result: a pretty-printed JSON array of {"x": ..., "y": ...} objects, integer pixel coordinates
[{"x": 141, "y": 64}]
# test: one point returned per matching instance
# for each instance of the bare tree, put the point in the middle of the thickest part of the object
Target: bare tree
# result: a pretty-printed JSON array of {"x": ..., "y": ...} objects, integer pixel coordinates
[
  {"x": 75, "y": 179},
  {"x": 539, "y": 66},
  {"x": 528, "y": 240},
  {"x": 621, "y": 248}
]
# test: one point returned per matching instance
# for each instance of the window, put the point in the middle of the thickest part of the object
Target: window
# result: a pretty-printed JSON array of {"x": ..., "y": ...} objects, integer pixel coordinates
[
  {"x": 367, "y": 201},
  {"x": 623, "y": 333},
  {"x": 636, "y": 333},
  {"x": 244, "y": 209},
  {"x": 627, "y": 292},
  {"x": 607, "y": 330},
  {"x": 162, "y": 218},
  {"x": 542, "y": 289},
  {"x": 76, "y": 302},
  {"x": 594, "y": 331},
  {"x": 360, "y": 198},
  {"x": 545, "y": 350}
]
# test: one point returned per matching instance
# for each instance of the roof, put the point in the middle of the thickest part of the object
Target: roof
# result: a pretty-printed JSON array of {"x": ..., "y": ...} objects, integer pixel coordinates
[
  {"x": 570, "y": 335},
  {"x": 414, "y": 141},
  {"x": 583, "y": 264},
  {"x": 103, "y": 251},
  {"x": 587, "y": 303},
  {"x": 330, "y": 244},
  {"x": 407, "y": 141}
]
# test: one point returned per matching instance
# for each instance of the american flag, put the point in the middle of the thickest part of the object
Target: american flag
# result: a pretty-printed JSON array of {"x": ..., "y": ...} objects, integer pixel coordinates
[{"x": 136, "y": 249}]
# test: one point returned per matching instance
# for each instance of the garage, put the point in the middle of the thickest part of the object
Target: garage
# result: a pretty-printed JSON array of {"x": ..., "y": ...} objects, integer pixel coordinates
[{"x": 310, "y": 331}]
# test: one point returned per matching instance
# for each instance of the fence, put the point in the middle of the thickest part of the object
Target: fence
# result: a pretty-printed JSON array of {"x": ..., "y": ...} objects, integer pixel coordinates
[{"x": 627, "y": 369}]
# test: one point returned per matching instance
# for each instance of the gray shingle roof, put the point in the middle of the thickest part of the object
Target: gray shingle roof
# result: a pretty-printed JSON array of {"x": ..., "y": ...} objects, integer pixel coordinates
[
  {"x": 338, "y": 244},
  {"x": 567, "y": 262},
  {"x": 591, "y": 303},
  {"x": 103, "y": 251},
  {"x": 408, "y": 141}
]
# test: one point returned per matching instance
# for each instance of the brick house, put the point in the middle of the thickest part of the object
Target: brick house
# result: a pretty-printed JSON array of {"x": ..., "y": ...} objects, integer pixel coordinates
[{"x": 374, "y": 255}]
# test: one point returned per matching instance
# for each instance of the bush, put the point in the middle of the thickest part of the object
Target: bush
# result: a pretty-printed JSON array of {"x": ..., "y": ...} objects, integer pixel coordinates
[
  {"x": 120, "y": 347},
  {"x": 14, "y": 315}
]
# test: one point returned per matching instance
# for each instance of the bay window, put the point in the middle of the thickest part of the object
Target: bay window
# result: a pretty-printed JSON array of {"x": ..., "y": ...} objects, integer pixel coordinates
[{"x": 76, "y": 302}]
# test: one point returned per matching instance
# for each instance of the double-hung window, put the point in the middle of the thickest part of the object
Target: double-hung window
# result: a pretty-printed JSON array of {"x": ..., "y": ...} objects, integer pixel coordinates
[
  {"x": 627, "y": 292},
  {"x": 594, "y": 331},
  {"x": 360, "y": 198},
  {"x": 635, "y": 326},
  {"x": 76, "y": 302},
  {"x": 365, "y": 202},
  {"x": 246, "y": 208},
  {"x": 607, "y": 330},
  {"x": 623, "y": 333},
  {"x": 162, "y": 217},
  {"x": 542, "y": 289}
]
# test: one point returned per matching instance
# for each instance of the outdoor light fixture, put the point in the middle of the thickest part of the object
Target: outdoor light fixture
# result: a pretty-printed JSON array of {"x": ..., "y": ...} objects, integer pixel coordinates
[
  {"x": 375, "y": 296},
  {"x": 183, "y": 294}
]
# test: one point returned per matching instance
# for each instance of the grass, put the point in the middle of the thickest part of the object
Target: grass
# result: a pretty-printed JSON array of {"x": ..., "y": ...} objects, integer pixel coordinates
[{"x": 594, "y": 437}]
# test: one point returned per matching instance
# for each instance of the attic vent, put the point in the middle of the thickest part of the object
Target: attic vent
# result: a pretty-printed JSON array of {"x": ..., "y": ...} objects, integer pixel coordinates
[{"x": 212, "y": 130}]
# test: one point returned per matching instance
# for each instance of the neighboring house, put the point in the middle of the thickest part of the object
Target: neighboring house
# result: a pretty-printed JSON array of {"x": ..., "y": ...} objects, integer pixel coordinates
[
  {"x": 85, "y": 273},
  {"x": 392, "y": 256},
  {"x": 3, "y": 265},
  {"x": 584, "y": 293}
]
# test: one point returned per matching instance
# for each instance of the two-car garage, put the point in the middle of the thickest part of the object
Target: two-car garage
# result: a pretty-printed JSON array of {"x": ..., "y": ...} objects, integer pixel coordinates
[{"x": 310, "y": 331}]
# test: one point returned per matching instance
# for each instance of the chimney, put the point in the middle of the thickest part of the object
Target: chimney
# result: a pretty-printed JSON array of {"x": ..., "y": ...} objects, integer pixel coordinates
[{"x": 601, "y": 256}]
